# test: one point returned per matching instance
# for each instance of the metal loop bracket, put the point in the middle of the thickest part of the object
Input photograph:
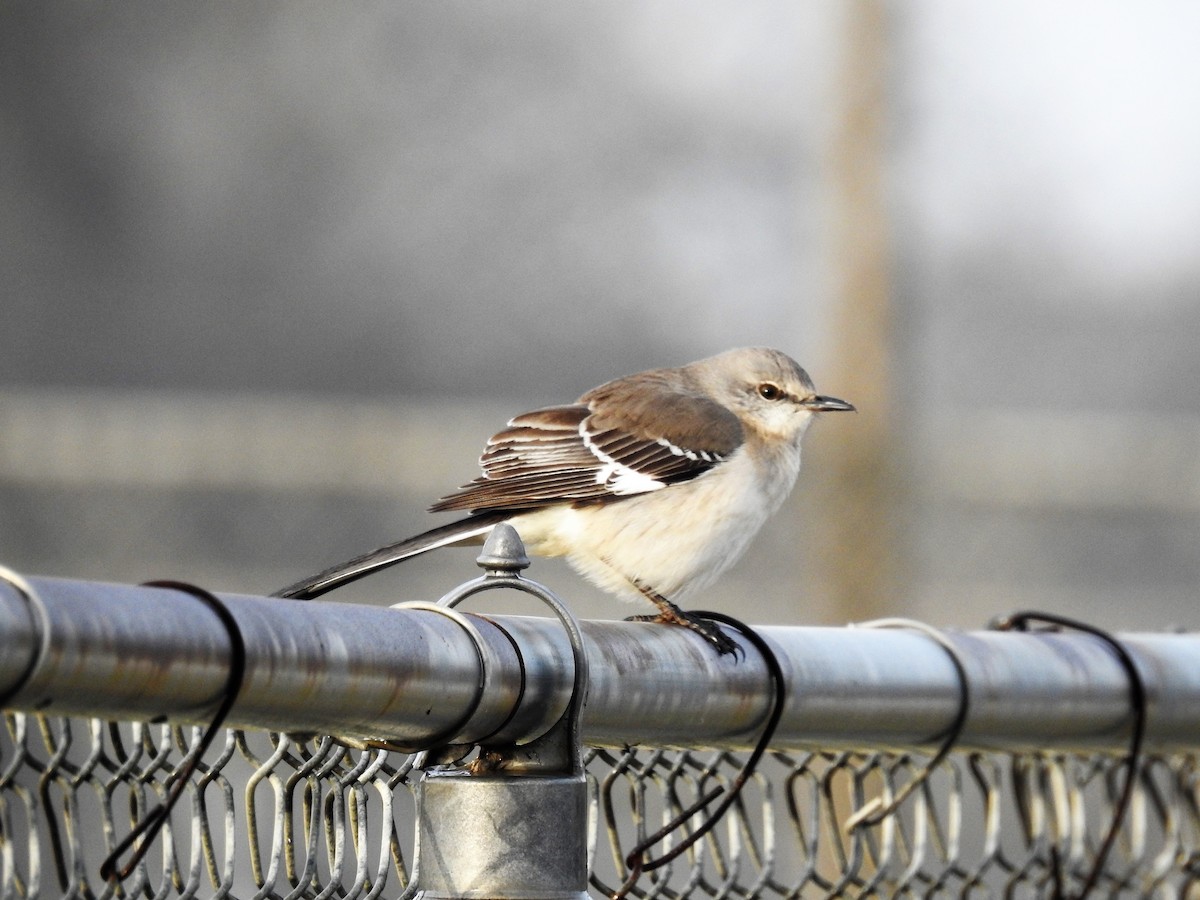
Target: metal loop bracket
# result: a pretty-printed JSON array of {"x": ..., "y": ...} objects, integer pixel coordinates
[
  {"x": 503, "y": 558},
  {"x": 40, "y": 618},
  {"x": 464, "y": 623}
]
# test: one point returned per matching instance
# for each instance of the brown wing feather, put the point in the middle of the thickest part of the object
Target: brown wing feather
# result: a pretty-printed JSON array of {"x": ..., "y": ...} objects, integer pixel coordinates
[
  {"x": 674, "y": 411},
  {"x": 539, "y": 459},
  {"x": 619, "y": 439}
]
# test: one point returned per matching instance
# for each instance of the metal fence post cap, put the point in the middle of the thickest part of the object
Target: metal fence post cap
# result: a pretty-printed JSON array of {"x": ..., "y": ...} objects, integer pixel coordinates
[{"x": 503, "y": 552}]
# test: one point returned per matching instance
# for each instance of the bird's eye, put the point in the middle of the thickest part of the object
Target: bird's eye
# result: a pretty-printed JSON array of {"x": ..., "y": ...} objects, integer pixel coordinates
[{"x": 769, "y": 391}]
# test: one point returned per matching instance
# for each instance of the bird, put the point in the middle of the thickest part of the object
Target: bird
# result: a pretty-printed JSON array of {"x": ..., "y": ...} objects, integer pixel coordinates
[{"x": 650, "y": 485}]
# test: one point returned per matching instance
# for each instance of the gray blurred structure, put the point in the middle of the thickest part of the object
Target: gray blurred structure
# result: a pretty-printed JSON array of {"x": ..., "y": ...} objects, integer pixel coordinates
[
  {"x": 245, "y": 495},
  {"x": 252, "y": 259}
]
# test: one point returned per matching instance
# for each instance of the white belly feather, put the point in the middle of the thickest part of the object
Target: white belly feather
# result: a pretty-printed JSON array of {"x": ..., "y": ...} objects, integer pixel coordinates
[{"x": 671, "y": 541}]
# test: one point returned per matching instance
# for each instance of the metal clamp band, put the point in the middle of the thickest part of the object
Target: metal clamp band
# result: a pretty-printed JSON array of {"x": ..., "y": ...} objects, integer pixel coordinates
[
  {"x": 40, "y": 617},
  {"x": 459, "y": 619}
]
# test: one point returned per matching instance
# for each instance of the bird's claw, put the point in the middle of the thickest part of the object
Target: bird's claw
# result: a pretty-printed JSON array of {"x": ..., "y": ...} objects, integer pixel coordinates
[{"x": 670, "y": 614}]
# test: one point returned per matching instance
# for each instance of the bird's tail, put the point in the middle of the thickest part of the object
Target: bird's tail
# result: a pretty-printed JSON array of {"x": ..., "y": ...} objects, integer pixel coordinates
[{"x": 464, "y": 530}]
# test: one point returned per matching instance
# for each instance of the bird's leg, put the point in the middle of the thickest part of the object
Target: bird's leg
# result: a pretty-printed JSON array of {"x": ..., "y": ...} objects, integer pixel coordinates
[{"x": 670, "y": 614}]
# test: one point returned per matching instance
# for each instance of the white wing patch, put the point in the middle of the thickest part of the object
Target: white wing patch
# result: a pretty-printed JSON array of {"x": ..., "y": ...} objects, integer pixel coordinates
[
  {"x": 693, "y": 455},
  {"x": 620, "y": 478}
]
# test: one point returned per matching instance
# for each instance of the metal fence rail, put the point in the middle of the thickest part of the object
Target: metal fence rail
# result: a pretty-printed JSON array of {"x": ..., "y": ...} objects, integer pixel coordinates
[
  {"x": 1020, "y": 809},
  {"x": 410, "y": 675}
]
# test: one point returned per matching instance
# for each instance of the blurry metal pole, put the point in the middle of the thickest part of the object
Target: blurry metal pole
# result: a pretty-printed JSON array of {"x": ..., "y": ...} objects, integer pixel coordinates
[{"x": 855, "y": 554}]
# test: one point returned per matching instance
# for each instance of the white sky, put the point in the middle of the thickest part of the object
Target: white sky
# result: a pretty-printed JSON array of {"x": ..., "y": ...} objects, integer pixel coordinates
[{"x": 1077, "y": 123}]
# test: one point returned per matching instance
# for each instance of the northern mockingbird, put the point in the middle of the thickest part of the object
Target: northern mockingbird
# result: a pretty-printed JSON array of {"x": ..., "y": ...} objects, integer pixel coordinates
[{"x": 651, "y": 485}]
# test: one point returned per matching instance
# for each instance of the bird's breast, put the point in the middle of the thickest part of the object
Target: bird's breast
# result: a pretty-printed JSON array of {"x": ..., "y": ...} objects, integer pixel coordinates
[{"x": 672, "y": 540}]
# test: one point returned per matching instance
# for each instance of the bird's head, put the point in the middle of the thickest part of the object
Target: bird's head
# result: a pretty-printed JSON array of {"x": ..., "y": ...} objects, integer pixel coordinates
[{"x": 766, "y": 389}]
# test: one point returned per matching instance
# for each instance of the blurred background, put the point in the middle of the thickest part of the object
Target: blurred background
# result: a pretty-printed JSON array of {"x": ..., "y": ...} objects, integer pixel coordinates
[{"x": 272, "y": 272}]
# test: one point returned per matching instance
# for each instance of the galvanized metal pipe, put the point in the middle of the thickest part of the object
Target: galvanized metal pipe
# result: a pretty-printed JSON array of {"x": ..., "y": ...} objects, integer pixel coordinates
[{"x": 415, "y": 675}]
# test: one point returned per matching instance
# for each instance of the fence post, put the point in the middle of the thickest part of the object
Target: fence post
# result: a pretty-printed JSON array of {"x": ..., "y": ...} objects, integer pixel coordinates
[{"x": 513, "y": 823}]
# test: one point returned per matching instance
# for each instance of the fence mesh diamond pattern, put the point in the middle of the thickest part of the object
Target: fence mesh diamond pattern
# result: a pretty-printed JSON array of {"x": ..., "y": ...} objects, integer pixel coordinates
[{"x": 271, "y": 815}]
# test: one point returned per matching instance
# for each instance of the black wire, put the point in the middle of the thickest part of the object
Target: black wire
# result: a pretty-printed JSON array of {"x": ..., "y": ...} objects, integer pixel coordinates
[
  {"x": 635, "y": 859},
  {"x": 1137, "y": 695},
  {"x": 949, "y": 739},
  {"x": 151, "y": 824}
]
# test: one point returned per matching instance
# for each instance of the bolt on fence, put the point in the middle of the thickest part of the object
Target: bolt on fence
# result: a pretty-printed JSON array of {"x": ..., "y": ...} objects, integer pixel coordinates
[{"x": 106, "y": 687}]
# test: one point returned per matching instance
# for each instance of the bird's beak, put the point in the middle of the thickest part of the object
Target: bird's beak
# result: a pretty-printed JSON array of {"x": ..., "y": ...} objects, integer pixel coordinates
[{"x": 827, "y": 404}]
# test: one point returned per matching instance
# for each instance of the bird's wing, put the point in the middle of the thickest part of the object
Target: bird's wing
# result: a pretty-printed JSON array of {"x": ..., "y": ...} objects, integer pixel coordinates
[{"x": 610, "y": 444}]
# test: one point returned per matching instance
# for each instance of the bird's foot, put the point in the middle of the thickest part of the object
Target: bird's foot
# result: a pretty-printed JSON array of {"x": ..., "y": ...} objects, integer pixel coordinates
[{"x": 670, "y": 614}]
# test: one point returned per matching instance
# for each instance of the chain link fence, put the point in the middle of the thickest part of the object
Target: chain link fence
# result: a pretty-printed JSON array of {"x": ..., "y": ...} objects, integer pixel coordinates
[
  {"x": 1041, "y": 796},
  {"x": 268, "y": 815}
]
